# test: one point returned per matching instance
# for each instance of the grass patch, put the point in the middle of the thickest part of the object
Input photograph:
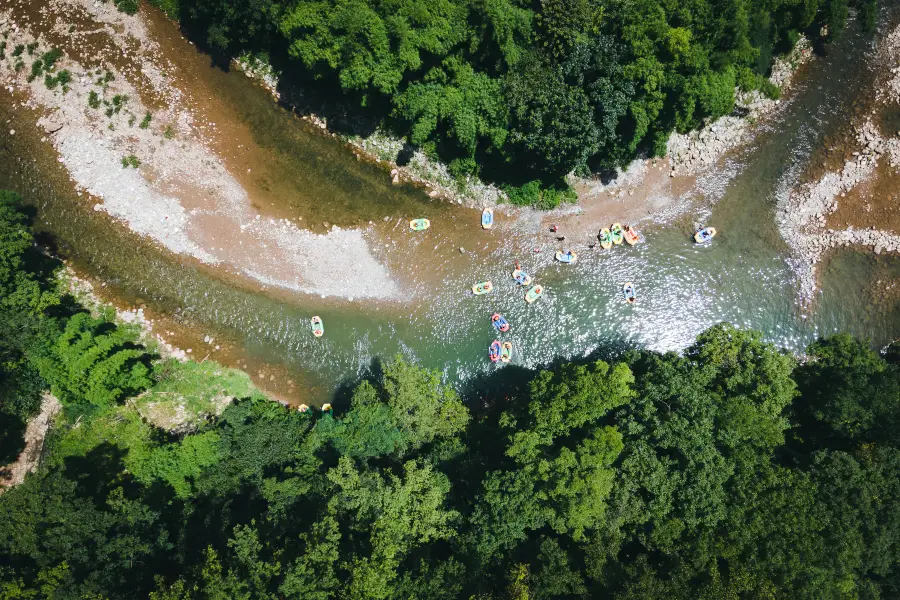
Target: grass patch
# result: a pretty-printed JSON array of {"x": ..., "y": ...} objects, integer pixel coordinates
[
  {"x": 186, "y": 394},
  {"x": 18, "y": 50},
  {"x": 145, "y": 123},
  {"x": 2, "y": 50},
  {"x": 94, "y": 99},
  {"x": 130, "y": 161},
  {"x": 168, "y": 132},
  {"x": 30, "y": 48}
]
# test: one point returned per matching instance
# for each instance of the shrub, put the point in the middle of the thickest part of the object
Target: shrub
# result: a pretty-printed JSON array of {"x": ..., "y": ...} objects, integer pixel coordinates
[
  {"x": 129, "y": 7},
  {"x": 62, "y": 78},
  {"x": 524, "y": 195},
  {"x": 19, "y": 49},
  {"x": 50, "y": 58},
  {"x": 115, "y": 107},
  {"x": 104, "y": 81},
  {"x": 170, "y": 7},
  {"x": 660, "y": 143},
  {"x": 460, "y": 168},
  {"x": 770, "y": 90},
  {"x": 94, "y": 99},
  {"x": 37, "y": 69},
  {"x": 30, "y": 48},
  {"x": 146, "y": 122},
  {"x": 534, "y": 194},
  {"x": 130, "y": 161},
  {"x": 550, "y": 199}
]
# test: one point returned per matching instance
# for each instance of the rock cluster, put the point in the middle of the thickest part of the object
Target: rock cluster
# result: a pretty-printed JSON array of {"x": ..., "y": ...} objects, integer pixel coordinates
[{"x": 801, "y": 215}]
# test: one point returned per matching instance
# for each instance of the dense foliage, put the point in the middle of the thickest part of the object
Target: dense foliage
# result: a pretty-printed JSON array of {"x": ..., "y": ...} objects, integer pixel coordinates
[
  {"x": 47, "y": 341},
  {"x": 726, "y": 472},
  {"x": 523, "y": 89}
]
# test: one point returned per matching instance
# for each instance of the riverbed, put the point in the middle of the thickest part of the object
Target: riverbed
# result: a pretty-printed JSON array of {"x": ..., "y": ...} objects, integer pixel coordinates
[{"x": 294, "y": 173}]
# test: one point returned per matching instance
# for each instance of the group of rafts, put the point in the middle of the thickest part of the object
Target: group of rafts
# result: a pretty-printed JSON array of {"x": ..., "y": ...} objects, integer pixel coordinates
[{"x": 608, "y": 237}]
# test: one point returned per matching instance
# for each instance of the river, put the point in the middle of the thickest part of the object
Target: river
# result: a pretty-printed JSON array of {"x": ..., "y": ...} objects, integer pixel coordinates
[{"x": 742, "y": 277}]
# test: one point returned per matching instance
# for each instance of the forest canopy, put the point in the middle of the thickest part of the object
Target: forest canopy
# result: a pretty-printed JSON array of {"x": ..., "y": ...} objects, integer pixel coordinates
[
  {"x": 521, "y": 90},
  {"x": 728, "y": 471}
]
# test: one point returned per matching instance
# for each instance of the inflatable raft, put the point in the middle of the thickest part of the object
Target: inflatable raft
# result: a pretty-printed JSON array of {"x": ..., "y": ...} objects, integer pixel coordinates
[
  {"x": 616, "y": 232},
  {"x": 521, "y": 277},
  {"x": 534, "y": 293},
  {"x": 566, "y": 256},
  {"x": 629, "y": 293},
  {"x": 485, "y": 287},
  {"x": 487, "y": 218},
  {"x": 506, "y": 352},
  {"x": 494, "y": 351},
  {"x": 631, "y": 236},
  {"x": 605, "y": 238},
  {"x": 318, "y": 328},
  {"x": 419, "y": 224},
  {"x": 499, "y": 322},
  {"x": 705, "y": 235}
]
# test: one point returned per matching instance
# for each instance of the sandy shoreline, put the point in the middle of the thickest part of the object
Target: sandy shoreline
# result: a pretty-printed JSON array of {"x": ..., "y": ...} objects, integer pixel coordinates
[{"x": 177, "y": 192}]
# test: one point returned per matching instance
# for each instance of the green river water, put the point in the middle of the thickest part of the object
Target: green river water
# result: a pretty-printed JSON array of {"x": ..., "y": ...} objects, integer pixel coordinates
[{"x": 742, "y": 277}]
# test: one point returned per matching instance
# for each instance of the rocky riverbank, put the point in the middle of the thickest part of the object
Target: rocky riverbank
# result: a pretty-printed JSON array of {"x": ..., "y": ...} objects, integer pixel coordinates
[
  {"x": 688, "y": 154},
  {"x": 802, "y": 213},
  {"x": 698, "y": 150},
  {"x": 137, "y": 151}
]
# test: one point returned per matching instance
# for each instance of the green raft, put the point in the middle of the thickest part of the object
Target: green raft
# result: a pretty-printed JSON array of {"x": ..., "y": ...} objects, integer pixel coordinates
[
  {"x": 534, "y": 293},
  {"x": 616, "y": 233}
]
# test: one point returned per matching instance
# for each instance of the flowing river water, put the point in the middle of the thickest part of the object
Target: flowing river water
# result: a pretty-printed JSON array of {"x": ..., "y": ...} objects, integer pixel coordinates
[{"x": 742, "y": 277}]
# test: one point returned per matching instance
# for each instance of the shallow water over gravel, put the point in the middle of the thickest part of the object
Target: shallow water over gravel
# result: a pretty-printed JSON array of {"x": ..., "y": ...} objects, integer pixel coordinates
[{"x": 741, "y": 277}]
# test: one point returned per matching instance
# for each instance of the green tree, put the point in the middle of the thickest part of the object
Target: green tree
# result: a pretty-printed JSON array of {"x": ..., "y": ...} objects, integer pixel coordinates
[
  {"x": 849, "y": 395},
  {"x": 96, "y": 362}
]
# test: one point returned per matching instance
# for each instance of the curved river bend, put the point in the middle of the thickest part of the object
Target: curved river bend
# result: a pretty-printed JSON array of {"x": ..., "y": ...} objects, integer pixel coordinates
[{"x": 742, "y": 277}]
